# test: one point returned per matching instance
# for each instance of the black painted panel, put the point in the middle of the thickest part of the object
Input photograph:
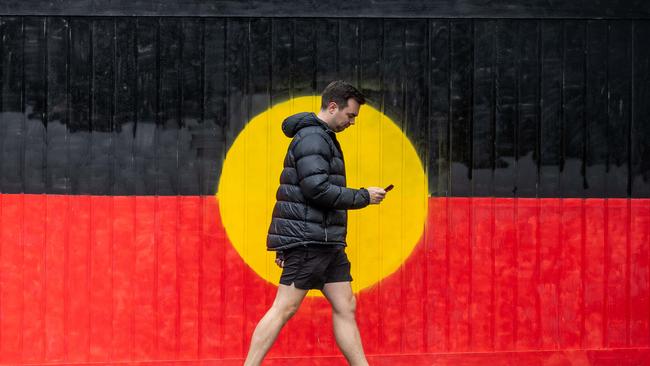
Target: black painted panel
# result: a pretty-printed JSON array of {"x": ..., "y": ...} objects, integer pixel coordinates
[
  {"x": 35, "y": 99},
  {"x": 550, "y": 131},
  {"x": 573, "y": 118},
  {"x": 260, "y": 79},
  {"x": 125, "y": 107},
  {"x": 619, "y": 84},
  {"x": 147, "y": 100},
  {"x": 281, "y": 56},
  {"x": 506, "y": 117},
  {"x": 461, "y": 96},
  {"x": 347, "y": 51},
  {"x": 484, "y": 108},
  {"x": 596, "y": 108},
  {"x": 57, "y": 172},
  {"x": 439, "y": 99},
  {"x": 215, "y": 117},
  {"x": 370, "y": 58},
  {"x": 237, "y": 63},
  {"x": 169, "y": 124},
  {"x": 393, "y": 73},
  {"x": 326, "y": 51},
  {"x": 102, "y": 147},
  {"x": 329, "y": 8},
  {"x": 640, "y": 129},
  {"x": 303, "y": 77},
  {"x": 416, "y": 85},
  {"x": 493, "y": 107},
  {"x": 80, "y": 138},
  {"x": 190, "y": 141},
  {"x": 12, "y": 121},
  {"x": 528, "y": 109}
]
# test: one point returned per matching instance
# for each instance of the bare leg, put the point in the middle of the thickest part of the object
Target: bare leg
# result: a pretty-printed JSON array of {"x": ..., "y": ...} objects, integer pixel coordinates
[
  {"x": 346, "y": 332},
  {"x": 286, "y": 303}
]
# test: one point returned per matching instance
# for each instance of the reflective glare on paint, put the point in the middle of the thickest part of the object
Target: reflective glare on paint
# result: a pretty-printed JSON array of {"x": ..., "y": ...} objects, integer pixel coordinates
[{"x": 377, "y": 153}]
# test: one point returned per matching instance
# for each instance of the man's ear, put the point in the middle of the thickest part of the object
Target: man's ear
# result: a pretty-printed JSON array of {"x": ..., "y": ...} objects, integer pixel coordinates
[{"x": 332, "y": 107}]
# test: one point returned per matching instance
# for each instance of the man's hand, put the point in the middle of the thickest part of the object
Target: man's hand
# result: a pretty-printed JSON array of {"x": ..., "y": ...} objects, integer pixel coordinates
[
  {"x": 279, "y": 259},
  {"x": 376, "y": 195}
]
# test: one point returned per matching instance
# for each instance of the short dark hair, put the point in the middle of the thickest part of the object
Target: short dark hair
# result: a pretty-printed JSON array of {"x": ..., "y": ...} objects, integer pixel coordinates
[{"x": 339, "y": 92}]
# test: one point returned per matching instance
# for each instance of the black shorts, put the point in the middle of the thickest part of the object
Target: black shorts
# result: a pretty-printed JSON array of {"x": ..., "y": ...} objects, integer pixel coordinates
[{"x": 311, "y": 268}]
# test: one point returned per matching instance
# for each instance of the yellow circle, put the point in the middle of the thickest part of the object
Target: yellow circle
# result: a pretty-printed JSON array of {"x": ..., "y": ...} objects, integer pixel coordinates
[{"x": 377, "y": 153}]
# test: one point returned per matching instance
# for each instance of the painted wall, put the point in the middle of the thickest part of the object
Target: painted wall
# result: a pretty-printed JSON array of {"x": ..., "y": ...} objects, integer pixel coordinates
[{"x": 519, "y": 150}]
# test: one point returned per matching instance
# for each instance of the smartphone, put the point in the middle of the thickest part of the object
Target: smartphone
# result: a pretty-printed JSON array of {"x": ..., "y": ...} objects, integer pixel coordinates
[{"x": 389, "y": 188}]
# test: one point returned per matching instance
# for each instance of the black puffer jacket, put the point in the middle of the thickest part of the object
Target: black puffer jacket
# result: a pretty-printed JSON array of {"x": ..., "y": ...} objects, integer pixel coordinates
[{"x": 312, "y": 200}]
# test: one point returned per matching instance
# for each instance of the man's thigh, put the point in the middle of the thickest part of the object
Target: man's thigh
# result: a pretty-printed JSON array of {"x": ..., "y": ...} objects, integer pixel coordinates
[
  {"x": 288, "y": 296},
  {"x": 340, "y": 295}
]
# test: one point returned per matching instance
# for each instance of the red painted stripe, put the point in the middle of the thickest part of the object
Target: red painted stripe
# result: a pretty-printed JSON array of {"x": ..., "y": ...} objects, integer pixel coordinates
[
  {"x": 639, "y": 274},
  {"x": 101, "y": 281},
  {"x": 594, "y": 268},
  {"x": 460, "y": 274},
  {"x": 78, "y": 286},
  {"x": 617, "y": 223},
  {"x": 167, "y": 289},
  {"x": 34, "y": 279},
  {"x": 152, "y": 278},
  {"x": 212, "y": 293},
  {"x": 390, "y": 313},
  {"x": 505, "y": 277},
  {"x": 188, "y": 275},
  {"x": 11, "y": 278},
  {"x": 144, "y": 282},
  {"x": 233, "y": 305},
  {"x": 550, "y": 242},
  {"x": 56, "y": 208},
  {"x": 413, "y": 310},
  {"x": 437, "y": 296},
  {"x": 570, "y": 281},
  {"x": 482, "y": 308},
  {"x": 370, "y": 321},
  {"x": 123, "y": 271},
  {"x": 527, "y": 300}
]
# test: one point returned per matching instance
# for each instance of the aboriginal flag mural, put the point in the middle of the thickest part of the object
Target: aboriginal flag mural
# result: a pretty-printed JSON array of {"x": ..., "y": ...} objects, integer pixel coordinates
[{"x": 140, "y": 158}]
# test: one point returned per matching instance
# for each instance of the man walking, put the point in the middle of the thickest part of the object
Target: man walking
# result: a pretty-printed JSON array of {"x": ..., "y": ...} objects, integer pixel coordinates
[{"x": 309, "y": 223}]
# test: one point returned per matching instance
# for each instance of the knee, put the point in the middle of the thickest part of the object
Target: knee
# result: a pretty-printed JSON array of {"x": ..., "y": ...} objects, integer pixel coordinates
[
  {"x": 347, "y": 307},
  {"x": 286, "y": 311}
]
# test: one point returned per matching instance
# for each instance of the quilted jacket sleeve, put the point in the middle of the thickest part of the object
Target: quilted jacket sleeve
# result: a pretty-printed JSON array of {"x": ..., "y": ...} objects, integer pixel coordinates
[{"x": 312, "y": 156}]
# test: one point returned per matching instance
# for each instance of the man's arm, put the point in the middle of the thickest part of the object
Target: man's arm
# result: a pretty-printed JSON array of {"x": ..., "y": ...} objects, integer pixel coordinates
[{"x": 312, "y": 155}]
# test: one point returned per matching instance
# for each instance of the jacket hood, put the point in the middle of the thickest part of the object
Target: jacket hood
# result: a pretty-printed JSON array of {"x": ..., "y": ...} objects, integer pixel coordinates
[{"x": 295, "y": 123}]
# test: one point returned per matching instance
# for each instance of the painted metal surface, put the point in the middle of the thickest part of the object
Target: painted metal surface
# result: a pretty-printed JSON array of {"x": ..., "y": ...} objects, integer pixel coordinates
[
  {"x": 142, "y": 278},
  {"x": 150, "y": 106},
  {"x": 533, "y": 135}
]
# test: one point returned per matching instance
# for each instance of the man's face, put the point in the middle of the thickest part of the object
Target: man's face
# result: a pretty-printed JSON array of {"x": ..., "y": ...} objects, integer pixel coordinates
[{"x": 344, "y": 118}]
